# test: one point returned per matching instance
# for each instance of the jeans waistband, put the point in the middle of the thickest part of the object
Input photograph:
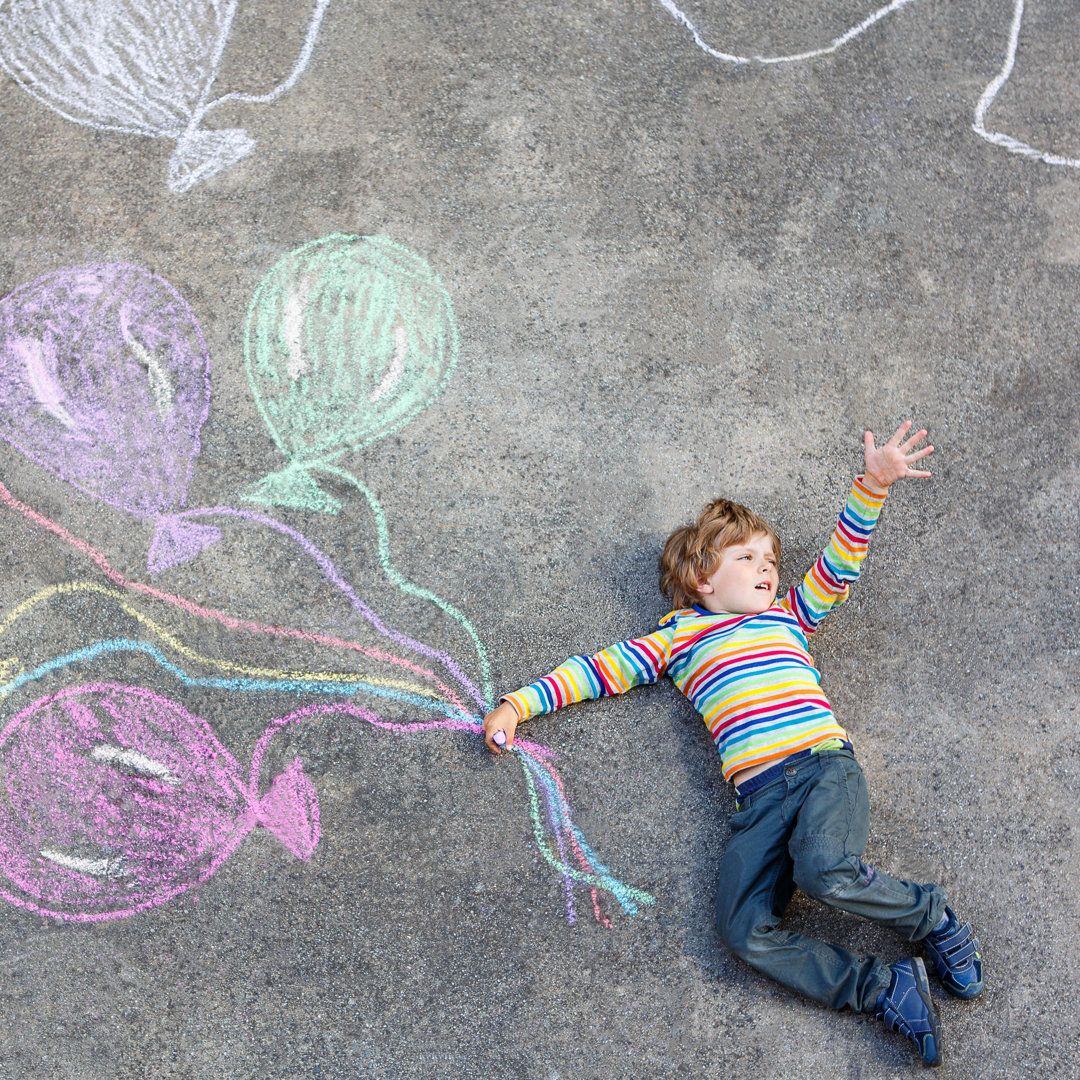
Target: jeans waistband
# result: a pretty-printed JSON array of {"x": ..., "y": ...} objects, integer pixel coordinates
[{"x": 774, "y": 772}]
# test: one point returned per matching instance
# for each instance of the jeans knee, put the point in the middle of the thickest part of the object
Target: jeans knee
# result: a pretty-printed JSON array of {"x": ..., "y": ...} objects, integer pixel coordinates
[
  {"x": 821, "y": 873},
  {"x": 739, "y": 934}
]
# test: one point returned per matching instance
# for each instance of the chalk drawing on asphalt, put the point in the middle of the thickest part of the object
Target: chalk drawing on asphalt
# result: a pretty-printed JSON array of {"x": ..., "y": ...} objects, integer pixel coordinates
[
  {"x": 105, "y": 382},
  {"x": 352, "y": 297},
  {"x": 808, "y": 54},
  {"x": 144, "y": 67},
  {"x": 1007, "y": 142},
  {"x": 430, "y": 693},
  {"x": 557, "y": 838},
  {"x": 998, "y": 138},
  {"x": 118, "y": 799},
  {"x": 348, "y": 338}
]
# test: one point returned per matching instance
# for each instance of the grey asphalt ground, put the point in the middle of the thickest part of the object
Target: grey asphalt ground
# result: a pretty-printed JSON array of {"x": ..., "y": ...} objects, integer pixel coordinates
[{"x": 673, "y": 279}]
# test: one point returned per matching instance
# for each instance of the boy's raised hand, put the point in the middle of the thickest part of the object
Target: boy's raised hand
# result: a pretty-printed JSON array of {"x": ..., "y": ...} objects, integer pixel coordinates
[
  {"x": 893, "y": 461},
  {"x": 502, "y": 718}
]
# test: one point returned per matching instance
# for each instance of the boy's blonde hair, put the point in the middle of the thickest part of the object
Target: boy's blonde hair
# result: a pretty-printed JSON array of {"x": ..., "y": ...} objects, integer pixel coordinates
[{"x": 692, "y": 552}]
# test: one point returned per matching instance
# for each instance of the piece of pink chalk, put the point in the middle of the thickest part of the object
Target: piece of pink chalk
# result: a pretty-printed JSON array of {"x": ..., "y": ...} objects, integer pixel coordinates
[{"x": 499, "y": 738}]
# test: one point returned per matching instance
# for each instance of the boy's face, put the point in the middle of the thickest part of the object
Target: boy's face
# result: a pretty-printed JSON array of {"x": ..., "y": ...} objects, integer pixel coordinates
[{"x": 746, "y": 580}]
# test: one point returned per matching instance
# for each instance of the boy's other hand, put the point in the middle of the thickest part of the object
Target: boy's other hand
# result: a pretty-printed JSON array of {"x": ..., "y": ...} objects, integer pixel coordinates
[
  {"x": 502, "y": 718},
  {"x": 893, "y": 461}
]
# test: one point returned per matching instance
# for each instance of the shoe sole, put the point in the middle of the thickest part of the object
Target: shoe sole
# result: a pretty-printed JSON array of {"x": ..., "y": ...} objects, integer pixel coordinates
[
  {"x": 963, "y": 993},
  {"x": 922, "y": 985}
]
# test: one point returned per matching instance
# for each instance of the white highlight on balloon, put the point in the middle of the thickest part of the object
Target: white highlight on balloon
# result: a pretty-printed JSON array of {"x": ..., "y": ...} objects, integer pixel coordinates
[
  {"x": 397, "y": 365},
  {"x": 833, "y": 45},
  {"x": 133, "y": 760},
  {"x": 998, "y": 138},
  {"x": 144, "y": 67},
  {"x": 292, "y": 319},
  {"x": 109, "y": 868},
  {"x": 158, "y": 378},
  {"x": 49, "y": 393}
]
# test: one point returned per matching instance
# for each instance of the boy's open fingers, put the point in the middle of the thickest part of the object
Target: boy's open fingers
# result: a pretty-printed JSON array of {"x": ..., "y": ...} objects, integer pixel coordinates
[
  {"x": 918, "y": 455},
  {"x": 914, "y": 440},
  {"x": 898, "y": 434}
]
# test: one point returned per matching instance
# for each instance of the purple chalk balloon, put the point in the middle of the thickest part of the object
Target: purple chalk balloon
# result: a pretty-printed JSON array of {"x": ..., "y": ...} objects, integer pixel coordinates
[
  {"x": 116, "y": 799},
  {"x": 105, "y": 381}
]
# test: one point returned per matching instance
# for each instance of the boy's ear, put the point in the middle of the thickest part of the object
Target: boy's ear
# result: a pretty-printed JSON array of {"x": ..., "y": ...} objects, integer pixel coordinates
[{"x": 704, "y": 588}]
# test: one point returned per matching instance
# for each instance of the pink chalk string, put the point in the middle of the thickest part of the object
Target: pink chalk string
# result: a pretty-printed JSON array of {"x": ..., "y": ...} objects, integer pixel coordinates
[{"x": 229, "y": 621}]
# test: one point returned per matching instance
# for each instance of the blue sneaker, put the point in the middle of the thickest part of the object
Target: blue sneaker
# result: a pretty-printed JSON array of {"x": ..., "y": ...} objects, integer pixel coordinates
[
  {"x": 906, "y": 1007},
  {"x": 955, "y": 952}
]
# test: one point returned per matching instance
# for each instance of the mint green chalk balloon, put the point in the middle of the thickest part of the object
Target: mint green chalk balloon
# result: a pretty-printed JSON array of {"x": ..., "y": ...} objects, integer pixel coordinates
[{"x": 348, "y": 338}]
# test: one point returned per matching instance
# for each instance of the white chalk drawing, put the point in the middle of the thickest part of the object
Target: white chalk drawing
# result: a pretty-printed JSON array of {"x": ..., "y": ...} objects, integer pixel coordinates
[
  {"x": 836, "y": 43},
  {"x": 143, "y": 67},
  {"x": 1007, "y": 142},
  {"x": 998, "y": 138}
]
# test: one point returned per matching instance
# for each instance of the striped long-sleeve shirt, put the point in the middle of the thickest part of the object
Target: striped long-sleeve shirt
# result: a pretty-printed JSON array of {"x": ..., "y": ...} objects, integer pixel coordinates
[{"x": 750, "y": 676}]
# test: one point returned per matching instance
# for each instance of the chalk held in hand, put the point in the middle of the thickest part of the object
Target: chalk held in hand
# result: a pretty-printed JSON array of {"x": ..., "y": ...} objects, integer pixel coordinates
[{"x": 499, "y": 738}]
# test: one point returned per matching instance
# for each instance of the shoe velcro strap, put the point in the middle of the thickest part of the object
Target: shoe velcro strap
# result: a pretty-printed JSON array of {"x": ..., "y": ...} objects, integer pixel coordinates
[
  {"x": 895, "y": 1021},
  {"x": 958, "y": 947}
]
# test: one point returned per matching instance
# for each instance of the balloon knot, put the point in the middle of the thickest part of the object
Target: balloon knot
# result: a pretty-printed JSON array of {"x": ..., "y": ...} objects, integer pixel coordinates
[
  {"x": 293, "y": 486},
  {"x": 176, "y": 540}
]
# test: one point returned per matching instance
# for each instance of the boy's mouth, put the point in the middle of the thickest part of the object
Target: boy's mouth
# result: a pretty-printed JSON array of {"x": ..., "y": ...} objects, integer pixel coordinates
[{"x": 764, "y": 587}]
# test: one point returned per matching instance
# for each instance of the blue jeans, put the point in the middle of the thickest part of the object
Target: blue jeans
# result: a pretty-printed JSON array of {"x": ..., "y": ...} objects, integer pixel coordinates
[{"x": 808, "y": 828}]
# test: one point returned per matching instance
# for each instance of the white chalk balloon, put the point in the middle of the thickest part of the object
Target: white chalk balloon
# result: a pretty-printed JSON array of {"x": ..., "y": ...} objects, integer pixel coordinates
[{"x": 145, "y": 67}]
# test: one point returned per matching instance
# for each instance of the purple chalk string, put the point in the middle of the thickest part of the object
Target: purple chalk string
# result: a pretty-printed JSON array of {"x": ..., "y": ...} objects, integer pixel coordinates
[{"x": 330, "y": 572}]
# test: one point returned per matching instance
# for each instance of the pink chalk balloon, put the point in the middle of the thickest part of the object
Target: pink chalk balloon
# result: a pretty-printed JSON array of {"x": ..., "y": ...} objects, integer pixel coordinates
[
  {"x": 116, "y": 799},
  {"x": 105, "y": 381}
]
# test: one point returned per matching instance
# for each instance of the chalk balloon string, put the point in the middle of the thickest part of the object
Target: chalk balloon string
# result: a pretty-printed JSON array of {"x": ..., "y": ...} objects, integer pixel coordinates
[
  {"x": 348, "y": 338},
  {"x": 537, "y": 772},
  {"x": 567, "y": 853},
  {"x": 412, "y": 693},
  {"x": 808, "y": 54},
  {"x": 997, "y": 138},
  {"x": 330, "y": 572}
]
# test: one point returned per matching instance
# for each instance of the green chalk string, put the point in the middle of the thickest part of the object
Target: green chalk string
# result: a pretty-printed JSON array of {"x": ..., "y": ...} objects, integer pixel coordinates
[{"x": 383, "y": 539}]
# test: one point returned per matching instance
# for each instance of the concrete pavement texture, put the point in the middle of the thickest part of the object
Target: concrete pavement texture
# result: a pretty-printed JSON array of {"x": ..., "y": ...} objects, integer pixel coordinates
[{"x": 608, "y": 276}]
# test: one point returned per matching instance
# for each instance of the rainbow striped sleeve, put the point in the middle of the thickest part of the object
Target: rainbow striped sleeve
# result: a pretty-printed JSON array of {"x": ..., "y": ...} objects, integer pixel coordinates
[
  {"x": 613, "y": 671},
  {"x": 826, "y": 584}
]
